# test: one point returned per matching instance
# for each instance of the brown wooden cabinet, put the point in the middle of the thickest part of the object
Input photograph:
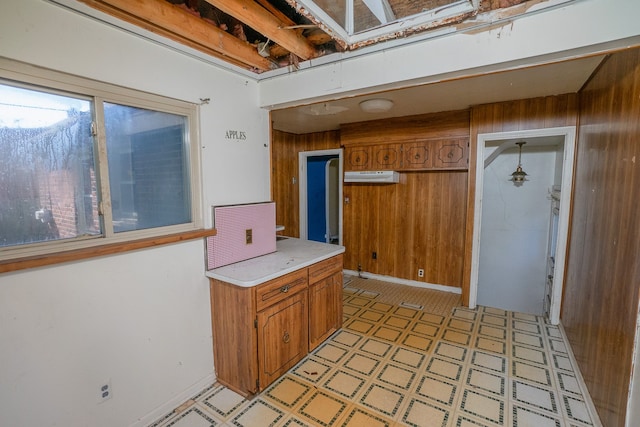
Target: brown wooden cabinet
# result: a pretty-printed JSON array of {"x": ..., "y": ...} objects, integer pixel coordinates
[
  {"x": 427, "y": 154},
  {"x": 325, "y": 300},
  {"x": 451, "y": 154},
  {"x": 416, "y": 155},
  {"x": 359, "y": 158},
  {"x": 282, "y": 337},
  {"x": 262, "y": 331},
  {"x": 387, "y": 156}
]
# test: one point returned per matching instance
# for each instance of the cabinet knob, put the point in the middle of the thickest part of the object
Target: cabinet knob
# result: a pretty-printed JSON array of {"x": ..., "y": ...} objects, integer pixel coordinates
[
  {"x": 284, "y": 289},
  {"x": 286, "y": 338}
]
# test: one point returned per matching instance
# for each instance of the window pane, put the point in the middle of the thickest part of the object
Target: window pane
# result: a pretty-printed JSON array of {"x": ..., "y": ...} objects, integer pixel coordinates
[
  {"x": 148, "y": 167},
  {"x": 47, "y": 176}
]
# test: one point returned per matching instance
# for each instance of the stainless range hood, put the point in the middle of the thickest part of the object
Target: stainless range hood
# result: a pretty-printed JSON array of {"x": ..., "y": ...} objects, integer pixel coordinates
[{"x": 372, "y": 177}]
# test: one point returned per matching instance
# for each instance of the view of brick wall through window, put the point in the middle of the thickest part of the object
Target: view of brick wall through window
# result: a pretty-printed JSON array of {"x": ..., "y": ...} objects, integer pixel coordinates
[{"x": 48, "y": 187}]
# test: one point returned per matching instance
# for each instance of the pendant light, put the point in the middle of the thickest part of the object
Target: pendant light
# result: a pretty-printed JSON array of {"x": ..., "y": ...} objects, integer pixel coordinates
[{"x": 519, "y": 176}]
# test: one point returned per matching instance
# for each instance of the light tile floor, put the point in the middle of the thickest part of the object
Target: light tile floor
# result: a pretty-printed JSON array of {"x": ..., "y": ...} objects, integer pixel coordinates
[{"x": 397, "y": 365}]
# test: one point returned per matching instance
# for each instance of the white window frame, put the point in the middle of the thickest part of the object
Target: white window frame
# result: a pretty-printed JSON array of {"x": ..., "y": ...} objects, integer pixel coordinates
[{"x": 29, "y": 75}]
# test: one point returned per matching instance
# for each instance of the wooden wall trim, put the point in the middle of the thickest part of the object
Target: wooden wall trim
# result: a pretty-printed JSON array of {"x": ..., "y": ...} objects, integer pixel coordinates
[{"x": 102, "y": 250}]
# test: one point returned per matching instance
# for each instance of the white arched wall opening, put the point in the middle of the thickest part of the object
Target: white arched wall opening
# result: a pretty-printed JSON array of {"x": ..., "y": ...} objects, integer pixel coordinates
[{"x": 569, "y": 135}]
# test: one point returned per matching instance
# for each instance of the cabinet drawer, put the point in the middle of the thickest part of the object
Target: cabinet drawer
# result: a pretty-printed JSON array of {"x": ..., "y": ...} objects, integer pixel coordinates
[
  {"x": 278, "y": 289},
  {"x": 325, "y": 268}
]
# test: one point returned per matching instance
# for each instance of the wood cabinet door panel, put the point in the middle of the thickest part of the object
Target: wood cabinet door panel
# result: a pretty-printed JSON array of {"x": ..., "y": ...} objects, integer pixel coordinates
[
  {"x": 358, "y": 158},
  {"x": 325, "y": 268},
  {"x": 387, "y": 157},
  {"x": 416, "y": 155},
  {"x": 325, "y": 309},
  {"x": 451, "y": 154},
  {"x": 282, "y": 337},
  {"x": 278, "y": 289}
]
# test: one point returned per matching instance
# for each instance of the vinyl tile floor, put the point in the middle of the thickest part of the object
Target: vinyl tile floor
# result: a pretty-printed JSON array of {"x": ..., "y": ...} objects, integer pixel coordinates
[{"x": 395, "y": 364}]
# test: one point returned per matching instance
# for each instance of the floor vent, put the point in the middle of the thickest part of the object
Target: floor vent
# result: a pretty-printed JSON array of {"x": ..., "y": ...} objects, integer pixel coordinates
[{"x": 409, "y": 305}]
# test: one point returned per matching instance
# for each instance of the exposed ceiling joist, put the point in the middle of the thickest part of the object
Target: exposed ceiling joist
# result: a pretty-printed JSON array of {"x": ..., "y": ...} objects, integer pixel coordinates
[
  {"x": 267, "y": 24},
  {"x": 178, "y": 24}
]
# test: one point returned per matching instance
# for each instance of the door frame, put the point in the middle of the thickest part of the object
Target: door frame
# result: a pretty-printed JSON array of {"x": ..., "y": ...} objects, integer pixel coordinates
[
  {"x": 302, "y": 187},
  {"x": 569, "y": 134}
]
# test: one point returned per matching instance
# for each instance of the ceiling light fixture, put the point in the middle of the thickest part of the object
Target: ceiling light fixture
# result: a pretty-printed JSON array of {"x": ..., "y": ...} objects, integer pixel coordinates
[
  {"x": 376, "y": 105},
  {"x": 324, "y": 109},
  {"x": 519, "y": 176}
]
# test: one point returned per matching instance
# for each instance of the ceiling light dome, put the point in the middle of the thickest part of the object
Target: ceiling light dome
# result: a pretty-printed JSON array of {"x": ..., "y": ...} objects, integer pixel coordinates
[{"x": 376, "y": 105}]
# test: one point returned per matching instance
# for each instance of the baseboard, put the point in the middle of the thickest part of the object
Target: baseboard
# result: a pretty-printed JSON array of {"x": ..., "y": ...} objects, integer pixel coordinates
[
  {"x": 407, "y": 282},
  {"x": 178, "y": 400}
]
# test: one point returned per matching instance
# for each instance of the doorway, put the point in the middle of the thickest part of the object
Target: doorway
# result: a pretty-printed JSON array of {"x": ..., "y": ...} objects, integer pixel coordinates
[
  {"x": 511, "y": 236},
  {"x": 321, "y": 175}
]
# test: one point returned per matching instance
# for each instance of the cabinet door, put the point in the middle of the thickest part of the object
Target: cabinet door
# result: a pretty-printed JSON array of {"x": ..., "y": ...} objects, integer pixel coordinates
[
  {"x": 387, "y": 157},
  {"x": 325, "y": 309},
  {"x": 358, "y": 158},
  {"x": 416, "y": 155},
  {"x": 283, "y": 331},
  {"x": 451, "y": 154}
]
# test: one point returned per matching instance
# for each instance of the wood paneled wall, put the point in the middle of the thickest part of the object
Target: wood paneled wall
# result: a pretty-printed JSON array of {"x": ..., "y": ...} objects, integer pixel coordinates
[
  {"x": 400, "y": 129},
  {"x": 603, "y": 272},
  {"x": 284, "y": 172},
  {"x": 526, "y": 114},
  {"x": 417, "y": 223}
]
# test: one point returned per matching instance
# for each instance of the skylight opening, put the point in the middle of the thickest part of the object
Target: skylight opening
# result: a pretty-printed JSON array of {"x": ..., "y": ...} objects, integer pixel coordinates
[{"x": 358, "y": 22}]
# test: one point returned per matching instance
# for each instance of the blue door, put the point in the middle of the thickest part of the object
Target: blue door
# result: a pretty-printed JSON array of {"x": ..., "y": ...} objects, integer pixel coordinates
[{"x": 317, "y": 197}]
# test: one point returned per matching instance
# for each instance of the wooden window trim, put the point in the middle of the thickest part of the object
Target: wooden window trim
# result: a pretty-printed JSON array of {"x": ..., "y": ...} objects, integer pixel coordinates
[{"x": 102, "y": 250}]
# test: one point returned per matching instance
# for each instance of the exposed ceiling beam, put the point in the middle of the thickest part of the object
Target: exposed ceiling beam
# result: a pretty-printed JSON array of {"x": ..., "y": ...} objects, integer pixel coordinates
[
  {"x": 276, "y": 12},
  {"x": 177, "y": 24},
  {"x": 315, "y": 37},
  {"x": 261, "y": 20}
]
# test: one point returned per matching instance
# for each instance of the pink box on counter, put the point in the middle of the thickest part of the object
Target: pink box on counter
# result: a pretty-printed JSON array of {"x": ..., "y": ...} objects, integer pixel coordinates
[{"x": 242, "y": 232}]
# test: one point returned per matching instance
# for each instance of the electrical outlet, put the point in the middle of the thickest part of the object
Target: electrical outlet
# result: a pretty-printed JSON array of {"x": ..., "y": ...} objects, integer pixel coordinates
[
  {"x": 105, "y": 392},
  {"x": 420, "y": 272}
]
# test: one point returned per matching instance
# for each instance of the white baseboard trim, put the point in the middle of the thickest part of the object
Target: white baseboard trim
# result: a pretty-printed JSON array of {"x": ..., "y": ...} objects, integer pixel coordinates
[
  {"x": 178, "y": 400},
  {"x": 407, "y": 282}
]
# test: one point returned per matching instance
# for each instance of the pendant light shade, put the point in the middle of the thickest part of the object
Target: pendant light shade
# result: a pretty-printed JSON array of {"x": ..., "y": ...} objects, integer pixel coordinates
[{"x": 519, "y": 176}]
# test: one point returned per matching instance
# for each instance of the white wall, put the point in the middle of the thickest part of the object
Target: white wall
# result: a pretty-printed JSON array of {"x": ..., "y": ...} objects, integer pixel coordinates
[
  {"x": 515, "y": 230},
  {"x": 578, "y": 28},
  {"x": 140, "y": 319}
]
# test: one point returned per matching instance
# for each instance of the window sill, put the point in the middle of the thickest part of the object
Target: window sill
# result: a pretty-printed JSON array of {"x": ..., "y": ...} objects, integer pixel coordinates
[{"x": 93, "y": 252}]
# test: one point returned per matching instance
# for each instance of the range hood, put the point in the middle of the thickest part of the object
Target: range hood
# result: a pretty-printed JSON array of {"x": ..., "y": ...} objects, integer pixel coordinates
[{"x": 372, "y": 177}]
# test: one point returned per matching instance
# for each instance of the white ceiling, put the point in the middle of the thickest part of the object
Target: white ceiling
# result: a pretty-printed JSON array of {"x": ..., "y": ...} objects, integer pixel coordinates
[{"x": 552, "y": 79}]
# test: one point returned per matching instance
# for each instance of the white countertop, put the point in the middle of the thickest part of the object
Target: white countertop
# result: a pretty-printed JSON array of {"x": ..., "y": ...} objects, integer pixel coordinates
[{"x": 291, "y": 254}]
